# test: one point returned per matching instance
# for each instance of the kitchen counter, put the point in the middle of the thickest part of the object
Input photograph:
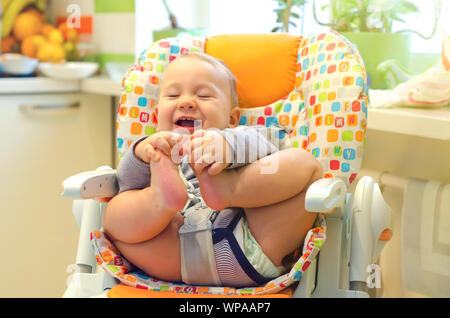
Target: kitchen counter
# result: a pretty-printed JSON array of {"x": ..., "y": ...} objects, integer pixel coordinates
[
  {"x": 40, "y": 85},
  {"x": 30, "y": 85},
  {"x": 101, "y": 85}
]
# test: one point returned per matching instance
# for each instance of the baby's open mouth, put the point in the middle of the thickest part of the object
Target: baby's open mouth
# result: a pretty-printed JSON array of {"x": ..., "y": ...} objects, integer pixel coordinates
[{"x": 187, "y": 122}]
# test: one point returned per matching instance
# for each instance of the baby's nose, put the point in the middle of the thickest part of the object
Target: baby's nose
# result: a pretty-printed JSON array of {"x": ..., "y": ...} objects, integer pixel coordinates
[{"x": 187, "y": 103}]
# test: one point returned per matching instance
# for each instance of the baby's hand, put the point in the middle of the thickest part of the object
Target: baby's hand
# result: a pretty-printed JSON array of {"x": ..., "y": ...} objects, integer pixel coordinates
[
  {"x": 208, "y": 148},
  {"x": 163, "y": 141}
]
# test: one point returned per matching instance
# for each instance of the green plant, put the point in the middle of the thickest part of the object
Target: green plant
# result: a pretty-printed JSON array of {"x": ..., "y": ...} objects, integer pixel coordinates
[
  {"x": 371, "y": 15},
  {"x": 172, "y": 18},
  {"x": 285, "y": 14}
]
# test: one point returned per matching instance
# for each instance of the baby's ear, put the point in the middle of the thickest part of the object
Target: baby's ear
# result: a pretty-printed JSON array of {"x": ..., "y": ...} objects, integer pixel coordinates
[
  {"x": 156, "y": 117},
  {"x": 235, "y": 116}
]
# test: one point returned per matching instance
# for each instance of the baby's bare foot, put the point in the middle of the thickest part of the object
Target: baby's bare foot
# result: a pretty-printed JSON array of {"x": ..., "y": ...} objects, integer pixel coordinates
[
  {"x": 167, "y": 184},
  {"x": 217, "y": 190}
]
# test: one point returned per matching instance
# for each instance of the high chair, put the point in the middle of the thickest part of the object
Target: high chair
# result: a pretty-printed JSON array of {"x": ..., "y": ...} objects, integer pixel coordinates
[{"x": 315, "y": 88}]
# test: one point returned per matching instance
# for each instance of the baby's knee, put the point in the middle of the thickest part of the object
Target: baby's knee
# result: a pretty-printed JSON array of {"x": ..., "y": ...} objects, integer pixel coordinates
[
  {"x": 302, "y": 161},
  {"x": 302, "y": 157}
]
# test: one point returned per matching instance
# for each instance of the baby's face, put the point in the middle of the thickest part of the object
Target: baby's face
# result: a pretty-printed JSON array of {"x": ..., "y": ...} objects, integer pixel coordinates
[{"x": 194, "y": 90}]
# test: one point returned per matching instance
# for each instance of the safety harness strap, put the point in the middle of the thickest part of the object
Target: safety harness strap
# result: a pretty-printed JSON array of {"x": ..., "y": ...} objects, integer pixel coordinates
[{"x": 198, "y": 263}]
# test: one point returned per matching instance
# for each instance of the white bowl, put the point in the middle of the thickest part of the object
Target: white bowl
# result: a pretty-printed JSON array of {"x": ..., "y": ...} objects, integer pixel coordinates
[
  {"x": 69, "y": 70},
  {"x": 17, "y": 64}
]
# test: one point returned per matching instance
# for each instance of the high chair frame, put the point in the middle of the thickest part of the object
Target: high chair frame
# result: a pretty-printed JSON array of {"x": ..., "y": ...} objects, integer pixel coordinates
[{"x": 340, "y": 270}]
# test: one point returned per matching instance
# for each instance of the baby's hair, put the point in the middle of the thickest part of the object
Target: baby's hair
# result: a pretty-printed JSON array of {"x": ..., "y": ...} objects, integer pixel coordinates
[{"x": 219, "y": 65}]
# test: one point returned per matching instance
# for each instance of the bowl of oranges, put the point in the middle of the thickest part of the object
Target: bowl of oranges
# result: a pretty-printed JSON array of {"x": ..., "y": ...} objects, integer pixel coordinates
[{"x": 30, "y": 35}]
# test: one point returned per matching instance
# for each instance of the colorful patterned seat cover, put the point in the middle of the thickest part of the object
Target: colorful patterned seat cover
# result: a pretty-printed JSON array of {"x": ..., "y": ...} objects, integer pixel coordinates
[
  {"x": 110, "y": 260},
  {"x": 325, "y": 114}
]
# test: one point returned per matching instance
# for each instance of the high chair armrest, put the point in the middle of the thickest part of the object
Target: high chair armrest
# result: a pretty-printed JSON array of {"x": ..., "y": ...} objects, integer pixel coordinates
[
  {"x": 325, "y": 194},
  {"x": 100, "y": 183}
]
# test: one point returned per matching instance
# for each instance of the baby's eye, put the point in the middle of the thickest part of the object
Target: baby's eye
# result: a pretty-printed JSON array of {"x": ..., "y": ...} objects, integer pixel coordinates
[{"x": 204, "y": 95}]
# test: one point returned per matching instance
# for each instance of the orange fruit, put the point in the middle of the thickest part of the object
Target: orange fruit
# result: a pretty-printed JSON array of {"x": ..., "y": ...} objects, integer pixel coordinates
[
  {"x": 26, "y": 24},
  {"x": 55, "y": 36},
  {"x": 31, "y": 44},
  {"x": 69, "y": 34},
  {"x": 50, "y": 52},
  {"x": 9, "y": 45},
  {"x": 36, "y": 12},
  {"x": 47, "y": 28}
]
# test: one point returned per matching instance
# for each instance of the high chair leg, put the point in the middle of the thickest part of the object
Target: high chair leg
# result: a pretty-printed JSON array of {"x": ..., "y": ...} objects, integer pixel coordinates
[
  {"x": 90, "y": 221},
  {"x": 371, "y": 229},
  {"x": 86, "y": 281},
  {"x": 84, "y": 285},
  {"x": 331, "y": 274}
]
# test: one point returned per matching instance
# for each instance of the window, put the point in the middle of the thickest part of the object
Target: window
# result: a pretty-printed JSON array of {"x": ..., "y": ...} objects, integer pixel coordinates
[
  {"x": 423, "y": 22},
  {"x": 253, "y": 16},
  {"x": 257, "y": 16},
  {"x": 238, "y": 16}
]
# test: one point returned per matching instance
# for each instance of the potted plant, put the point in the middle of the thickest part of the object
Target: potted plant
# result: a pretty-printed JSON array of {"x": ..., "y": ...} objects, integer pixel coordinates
[
  {"x": 368, "y": 24},
  {"x": 174, "y": 29},
  {"x": 285, "y": 14}
]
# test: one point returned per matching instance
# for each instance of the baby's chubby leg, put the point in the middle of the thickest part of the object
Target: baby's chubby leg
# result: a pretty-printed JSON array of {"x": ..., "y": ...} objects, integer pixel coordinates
[
  {"x": 272, "y": 179},
  {"x": 139, "y": 215}
]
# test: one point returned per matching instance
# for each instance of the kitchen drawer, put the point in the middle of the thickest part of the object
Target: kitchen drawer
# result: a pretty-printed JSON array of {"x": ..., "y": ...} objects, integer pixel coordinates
[{"x": 45, "y": 139}]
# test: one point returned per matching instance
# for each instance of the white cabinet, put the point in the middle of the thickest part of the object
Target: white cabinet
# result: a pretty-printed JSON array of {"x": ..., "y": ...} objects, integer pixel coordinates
[{"x": 45, "y": 138}]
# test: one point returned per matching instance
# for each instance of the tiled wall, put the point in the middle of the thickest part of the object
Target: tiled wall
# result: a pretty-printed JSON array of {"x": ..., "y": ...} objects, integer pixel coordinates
[{"x": 108, "y": 24}]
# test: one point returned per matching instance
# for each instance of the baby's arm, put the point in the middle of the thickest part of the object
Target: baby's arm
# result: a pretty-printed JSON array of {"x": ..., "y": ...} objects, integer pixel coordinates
[
  {"x": 251, "y": 143},
  {"x": 132, "y": 173},
  {"x": 232, "y": 148}
]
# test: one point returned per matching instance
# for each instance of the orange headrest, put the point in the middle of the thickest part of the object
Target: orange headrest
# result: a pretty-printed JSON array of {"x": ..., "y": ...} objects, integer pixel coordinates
[{"x": 264, "y": 64}]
